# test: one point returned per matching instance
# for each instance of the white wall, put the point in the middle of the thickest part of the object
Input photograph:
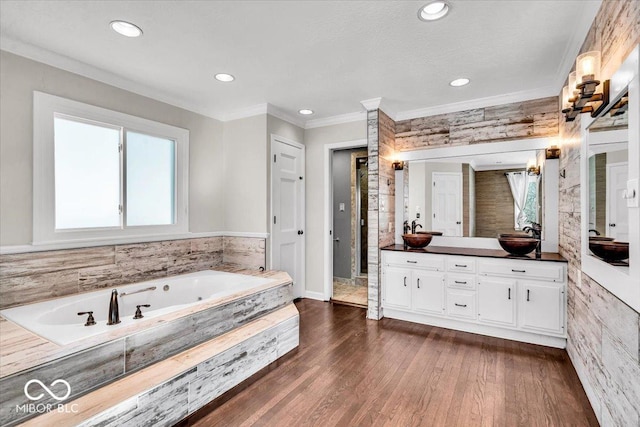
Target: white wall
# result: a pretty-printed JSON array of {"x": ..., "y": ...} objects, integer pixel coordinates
[
  {"x": 19, "y": 77},
  {"x": 314, "y": 140},
  {"x": 420, "y": 189}
]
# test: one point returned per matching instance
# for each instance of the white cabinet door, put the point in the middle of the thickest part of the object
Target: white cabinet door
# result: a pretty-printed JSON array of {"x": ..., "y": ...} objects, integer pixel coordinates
[
  {"x": 540, "y": 306},
  {"x": 428, "y": 292},
  {"x": 497, "y": 301},
  {"x": 397, "y": 287}
]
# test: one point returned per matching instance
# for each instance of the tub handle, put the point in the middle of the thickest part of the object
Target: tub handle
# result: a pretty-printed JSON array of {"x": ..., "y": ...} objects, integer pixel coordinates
[
  {"x": 90, "y": 319},
  {"x": 138, "y": 314}
]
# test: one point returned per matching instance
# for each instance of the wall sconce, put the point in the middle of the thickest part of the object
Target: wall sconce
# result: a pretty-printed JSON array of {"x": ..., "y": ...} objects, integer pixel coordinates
[
  {"x": 580, "y": 96},
  {"x": 398, "y": 165},
  {"x": 552, "y": 152},
  {"x": 533, "y": 170}
]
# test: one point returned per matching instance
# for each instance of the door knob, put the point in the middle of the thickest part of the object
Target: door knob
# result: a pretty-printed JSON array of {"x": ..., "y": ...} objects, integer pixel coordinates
[
  {"x": 612, "y": 225},
  {"x": 300, "y": 232}
]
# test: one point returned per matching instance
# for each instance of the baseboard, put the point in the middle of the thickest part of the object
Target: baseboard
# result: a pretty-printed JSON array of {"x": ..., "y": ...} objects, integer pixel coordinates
[{"x": 314, "y": 295}]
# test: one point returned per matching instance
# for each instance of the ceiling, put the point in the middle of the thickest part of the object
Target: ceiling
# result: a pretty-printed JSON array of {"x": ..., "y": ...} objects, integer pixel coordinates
[{"x": 323, "y": 55}]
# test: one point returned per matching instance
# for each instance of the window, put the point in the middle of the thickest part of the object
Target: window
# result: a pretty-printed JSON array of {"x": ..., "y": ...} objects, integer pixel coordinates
[{"x": 103, "y": 175}]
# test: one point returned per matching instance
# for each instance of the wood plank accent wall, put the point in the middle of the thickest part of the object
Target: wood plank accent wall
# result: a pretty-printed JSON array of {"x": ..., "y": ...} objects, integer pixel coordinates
[
  {"x": 494, "y": 203},
  {"x": 381, "y": 148},
  {"x": 36, "y": 276},
  {"x": 528, "y": 119},
  {"x": 604, "y": 333}
]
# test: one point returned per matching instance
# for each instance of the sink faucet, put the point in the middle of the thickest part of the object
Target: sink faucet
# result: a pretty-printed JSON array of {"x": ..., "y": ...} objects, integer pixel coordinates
[
  {"x": 405, "y": 227},
  {"x": 595, "y": 231},
  {"x": 414, "y": 225},
  {"x": 536, "y": 232},
  {"x": 114, "y": 313}
]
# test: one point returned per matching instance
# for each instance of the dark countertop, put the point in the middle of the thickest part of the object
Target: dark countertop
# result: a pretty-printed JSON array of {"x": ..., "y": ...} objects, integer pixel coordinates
[{"x": 487, "y": 253}]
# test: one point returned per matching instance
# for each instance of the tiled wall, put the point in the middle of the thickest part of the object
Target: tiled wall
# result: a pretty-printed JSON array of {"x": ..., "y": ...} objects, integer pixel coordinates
[
  {"x": 604, "y": 333},
  {"x": 528, "y": 119},
  {"x": 36, "y": 276}
]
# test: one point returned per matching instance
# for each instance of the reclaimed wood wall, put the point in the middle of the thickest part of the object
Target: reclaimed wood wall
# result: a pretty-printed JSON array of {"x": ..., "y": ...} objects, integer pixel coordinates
[
  {"x": 604, "y": 333},
  {"x": 36, "y": 276}
]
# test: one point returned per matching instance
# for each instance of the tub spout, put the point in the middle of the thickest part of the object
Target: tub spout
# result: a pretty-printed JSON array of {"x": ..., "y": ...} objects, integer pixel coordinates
[{"x": 114, "y": 314}]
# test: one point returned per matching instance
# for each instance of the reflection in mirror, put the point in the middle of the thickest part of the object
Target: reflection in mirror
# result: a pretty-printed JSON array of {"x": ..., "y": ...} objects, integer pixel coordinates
[
  {"x": 476, "y": 196},
  {"x": 608, "y": 175}
]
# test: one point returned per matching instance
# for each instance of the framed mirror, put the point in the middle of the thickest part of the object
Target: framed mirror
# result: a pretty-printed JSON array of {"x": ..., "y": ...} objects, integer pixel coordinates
[
  {"x": 473, "y": 193},
  {"x": 610, "y": 167}
]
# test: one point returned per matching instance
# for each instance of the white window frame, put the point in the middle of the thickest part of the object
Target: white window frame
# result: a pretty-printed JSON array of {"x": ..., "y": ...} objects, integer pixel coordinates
[{"x": 45, "y": 107}]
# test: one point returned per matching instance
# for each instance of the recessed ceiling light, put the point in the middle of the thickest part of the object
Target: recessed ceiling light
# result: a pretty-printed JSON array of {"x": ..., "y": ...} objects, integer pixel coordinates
[
  {"x": 434, "y": 10},
  {"x": 126, "y": 28},
  {"x": 224, "y": 77},
  {"x": 305, "y": 112},
  {"x": 459, "y": 82}
]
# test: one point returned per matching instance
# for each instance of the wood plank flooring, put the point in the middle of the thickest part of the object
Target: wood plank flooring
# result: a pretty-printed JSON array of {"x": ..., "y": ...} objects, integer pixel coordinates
[{"x": 349, "y": 371}]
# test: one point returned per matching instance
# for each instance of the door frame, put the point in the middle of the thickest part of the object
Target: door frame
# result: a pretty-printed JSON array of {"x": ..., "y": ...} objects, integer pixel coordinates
[
  {"x": 433, "y": 198},
  {"x": 328, "y": 150},
  {"x": 275, "y": 139}
]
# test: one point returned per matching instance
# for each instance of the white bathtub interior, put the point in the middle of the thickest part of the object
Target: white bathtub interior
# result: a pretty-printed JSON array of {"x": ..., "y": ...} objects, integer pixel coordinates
[{"x": 58, "y": 321}]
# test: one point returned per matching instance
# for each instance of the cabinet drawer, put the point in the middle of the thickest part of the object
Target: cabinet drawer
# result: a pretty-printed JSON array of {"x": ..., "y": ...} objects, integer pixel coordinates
[
  {"x": 463, "y": 281},
  {"x": 409, "y": 259},
  {"x": 529, "y": 269},
  {"x": 461, "y": 303},
  {"x": 462, "y": 264}
]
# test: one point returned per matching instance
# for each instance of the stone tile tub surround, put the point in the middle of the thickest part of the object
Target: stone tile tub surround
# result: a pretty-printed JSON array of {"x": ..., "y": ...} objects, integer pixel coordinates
[
  {"x": 100, "y": 360},
  {"x": 168, "y": 391},
  {"x": 36, "y": 276}
]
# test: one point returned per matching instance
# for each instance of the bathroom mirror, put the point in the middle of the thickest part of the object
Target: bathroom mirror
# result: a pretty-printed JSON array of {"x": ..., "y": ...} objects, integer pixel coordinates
[
  {"x": 483, "y": 203},
  {"x": 481, "y": 195},
  {"x": 610, "y": 168},
  {"x": 608, "y": 173}
]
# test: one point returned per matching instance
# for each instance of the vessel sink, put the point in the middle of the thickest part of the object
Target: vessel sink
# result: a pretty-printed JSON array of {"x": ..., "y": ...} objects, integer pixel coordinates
[
  {"x": 418, "y": 240},
  {"x": 600, "y": 239},
  {"x": 517, "y": 244},
  {"x": 609, "y": 250},
  {"x": 433, "y": 233}
]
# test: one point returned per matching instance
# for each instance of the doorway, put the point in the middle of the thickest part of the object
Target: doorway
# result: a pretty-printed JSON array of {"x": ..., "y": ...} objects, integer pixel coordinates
[
  {"x": 350, "y": 226},
  {"x": 447, "y": 203},
  {"x": 287, "y": 210}
]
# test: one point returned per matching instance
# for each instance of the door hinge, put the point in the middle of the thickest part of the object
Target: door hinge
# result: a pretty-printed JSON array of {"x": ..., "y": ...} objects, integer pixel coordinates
[
  {"x": 434, "y": 215},
  {"x": 274, "y": 158},
  {"x": 434, "y": 183},
  {"x": 274, "y": 219},
  {"x": 120, "y": 209},
  {"x": 119, "y": 148}
]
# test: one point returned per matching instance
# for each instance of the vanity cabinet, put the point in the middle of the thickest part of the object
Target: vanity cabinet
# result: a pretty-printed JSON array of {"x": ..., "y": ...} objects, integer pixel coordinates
[{"x": 517, "y": 299}]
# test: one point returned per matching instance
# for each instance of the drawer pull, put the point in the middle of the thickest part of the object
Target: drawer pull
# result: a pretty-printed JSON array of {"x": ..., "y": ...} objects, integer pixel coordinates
[
  {"x": 509, "y": 294},
  {"x": 405, "y": 281},
  {"x": 412, "y": 262},
  {"x": 459, "y": 305},
  {"x": 460, "y": 283},
  {"x": 528, "y": 294},
  {"x": 461, "y": 265},
  {"x": 418, "y": 283},
  {"x": 518, "y": 271}
]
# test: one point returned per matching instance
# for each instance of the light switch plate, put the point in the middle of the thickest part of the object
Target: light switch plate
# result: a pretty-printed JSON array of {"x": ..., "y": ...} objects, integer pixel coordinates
[{"x": 632, "y": 193}]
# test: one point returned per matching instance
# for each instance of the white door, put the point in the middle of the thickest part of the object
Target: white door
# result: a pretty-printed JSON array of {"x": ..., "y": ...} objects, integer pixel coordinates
[
  {"x": 446, "y": 202},
  {"x": 287, "y": 210},
  {"x": 617, "y": 211}
]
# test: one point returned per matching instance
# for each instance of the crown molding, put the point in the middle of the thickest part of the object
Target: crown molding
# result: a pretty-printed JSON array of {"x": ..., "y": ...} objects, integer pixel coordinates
[
  {"x": 371, "y": 104},
  {"x": 488, "y": 101},
  {"x": 254, "y": 110},
  {"x": 581, "y": 26},
  {"x": 283, "y": 115},
  {"x": 336, "y": 120},
  {"x": 74, "y": 66}
]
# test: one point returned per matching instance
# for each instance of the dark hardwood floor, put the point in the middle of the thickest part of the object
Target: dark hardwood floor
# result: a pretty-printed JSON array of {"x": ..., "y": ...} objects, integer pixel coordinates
[{"x": 349, "y": 371}]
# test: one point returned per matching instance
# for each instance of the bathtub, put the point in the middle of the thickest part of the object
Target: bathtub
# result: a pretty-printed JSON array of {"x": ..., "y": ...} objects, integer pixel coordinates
[{"x": 58, "y": 321}]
